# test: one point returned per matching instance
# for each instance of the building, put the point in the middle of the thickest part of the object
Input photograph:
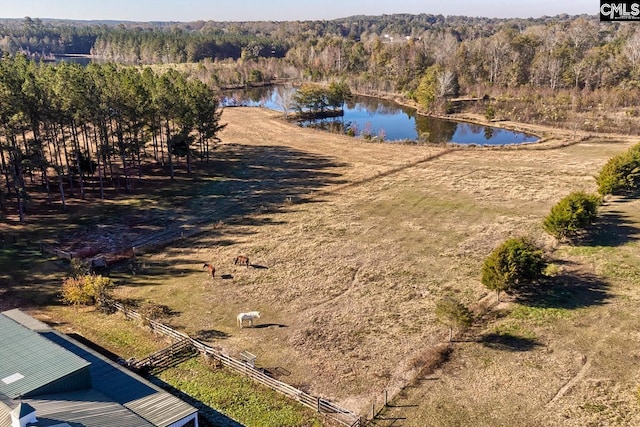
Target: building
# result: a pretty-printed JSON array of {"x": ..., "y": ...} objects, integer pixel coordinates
[{"x": 47, "y": 376}]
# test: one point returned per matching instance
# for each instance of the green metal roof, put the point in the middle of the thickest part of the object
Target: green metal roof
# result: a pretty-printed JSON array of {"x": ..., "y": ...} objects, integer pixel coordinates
[
  {"x": 128, "y": 389},
  {"x": 116, "y": 397},
  {"x": 31, "y": 364}
]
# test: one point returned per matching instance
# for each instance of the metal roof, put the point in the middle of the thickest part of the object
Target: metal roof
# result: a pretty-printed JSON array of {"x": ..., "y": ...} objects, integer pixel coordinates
[
  {"x": 149, "y": 401},
  {"x": 88, "y": 408},
  {"x": 27, "y": 321},
  {"x": 29, "y": 362},
  {"x": 117, "y": 397}
]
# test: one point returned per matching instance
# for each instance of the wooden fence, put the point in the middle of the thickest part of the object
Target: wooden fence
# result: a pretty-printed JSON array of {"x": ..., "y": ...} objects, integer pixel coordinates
[
  {"x": 166, "y": 358},
  {"x": 322, "y": 406}
]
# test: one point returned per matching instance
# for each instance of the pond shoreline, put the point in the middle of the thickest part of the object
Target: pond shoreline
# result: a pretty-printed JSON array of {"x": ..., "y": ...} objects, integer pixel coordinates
[
  {"x": 389, "y": 119},
  {"x": 549, "y": 135},
  {"x": 541, "y": 132}
]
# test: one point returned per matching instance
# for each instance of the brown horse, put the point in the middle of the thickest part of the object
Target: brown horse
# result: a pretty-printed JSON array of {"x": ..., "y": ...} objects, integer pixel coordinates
[
  {"x": 242, "y": 260},
  {"x": 211, "y": 268}
]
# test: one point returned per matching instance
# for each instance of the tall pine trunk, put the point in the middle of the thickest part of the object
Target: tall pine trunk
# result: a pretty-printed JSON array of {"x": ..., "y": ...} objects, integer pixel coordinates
[
  {"x": 15, "y": 160},
  {"x": 169, "y": 157},
  {"x": 98, "y": 144},
  {"x": 123, "y": 156},
  {"x": 76, "y": 147},
  {"x": 66, "y": 158}
]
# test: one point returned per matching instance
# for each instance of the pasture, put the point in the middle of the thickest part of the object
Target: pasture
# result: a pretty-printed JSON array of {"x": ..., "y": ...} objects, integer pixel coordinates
[{"x": 352, "y": 244}]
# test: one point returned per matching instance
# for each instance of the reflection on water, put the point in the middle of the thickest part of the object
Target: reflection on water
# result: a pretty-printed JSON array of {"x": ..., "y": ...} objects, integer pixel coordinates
[
  {"x": 380, "y": 119},
  {"x": 83, "y": 60}
]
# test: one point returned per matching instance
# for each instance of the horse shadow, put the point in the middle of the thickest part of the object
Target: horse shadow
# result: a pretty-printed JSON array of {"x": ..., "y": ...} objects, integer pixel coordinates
[
  {"x": 258, "y": 267},
  {"x": 268, "y": 325},
  {"x": 226, "y": 276}
]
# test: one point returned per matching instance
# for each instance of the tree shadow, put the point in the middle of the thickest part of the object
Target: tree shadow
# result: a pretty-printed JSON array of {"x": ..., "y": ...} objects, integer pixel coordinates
[
  {"x": 230, "y": 189},
  {"x": 568, "y": 291},
  {"x": 146, "y": 267},
  {"x": 261, "y": 178},
  {"x": 240, "y": 182},
  {"x": 148, "y": 308},
  {"x": 211, "y": 334},
  {"x": 508, "y": 342},
  {"x": 612, "y": 229}
]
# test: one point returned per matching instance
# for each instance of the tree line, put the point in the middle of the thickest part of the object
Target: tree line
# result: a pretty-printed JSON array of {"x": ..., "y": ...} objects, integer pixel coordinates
[
  {"x": 135, "y": 43},
  {"x": 38, "y": 39},
  {"x": 386, "y": 53},
  {"x": 557, "y": 71},
  {"x": 148, "y": 46},
  {"x": 63, "y": 125},
  {"x": 423, "y": 57}
]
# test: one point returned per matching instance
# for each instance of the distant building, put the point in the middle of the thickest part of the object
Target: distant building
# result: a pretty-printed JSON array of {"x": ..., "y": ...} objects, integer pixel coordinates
[{"x": 49, "y": 380}]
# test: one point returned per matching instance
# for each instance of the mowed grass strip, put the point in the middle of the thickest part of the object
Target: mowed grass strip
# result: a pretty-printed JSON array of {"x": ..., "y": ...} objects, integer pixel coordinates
[
  {"x": 239, "y": 397},
  {"x": 122, "y": 337}
]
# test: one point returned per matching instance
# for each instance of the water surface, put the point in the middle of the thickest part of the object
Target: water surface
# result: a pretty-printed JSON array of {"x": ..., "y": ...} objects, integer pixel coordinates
[{"x": 386, "y": 120}]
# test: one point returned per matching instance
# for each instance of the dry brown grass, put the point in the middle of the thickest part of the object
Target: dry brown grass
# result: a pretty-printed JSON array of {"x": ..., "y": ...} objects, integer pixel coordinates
[
  {"x": 351, "y": 244},
  {"x": 430, "y": 360}
]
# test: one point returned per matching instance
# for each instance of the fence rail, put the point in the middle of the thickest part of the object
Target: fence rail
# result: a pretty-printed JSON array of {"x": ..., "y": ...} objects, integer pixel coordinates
[
  {"x": 323, "y": 406},
  {"x": 167, "y": 357}
]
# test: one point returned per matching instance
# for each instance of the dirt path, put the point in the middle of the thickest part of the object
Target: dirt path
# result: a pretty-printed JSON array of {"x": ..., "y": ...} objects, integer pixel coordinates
[{"x": 580, "y": 375}]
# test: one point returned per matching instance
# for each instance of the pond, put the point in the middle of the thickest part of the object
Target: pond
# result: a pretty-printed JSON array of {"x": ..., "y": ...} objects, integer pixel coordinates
[
  {"x": 384, "y": 120},
  {"x": 83, "y": 60}
]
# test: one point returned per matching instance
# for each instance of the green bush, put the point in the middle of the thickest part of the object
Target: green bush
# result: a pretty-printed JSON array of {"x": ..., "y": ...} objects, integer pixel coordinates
[
  {"x": 572, "y": 215},
  {"x": 453, "y": 314},
  {"x": 516, "y": 262},
  {"x": 490, "y": 112},
  {"x": 255, "y": 76},
  {"x": 621, "y": 173}
]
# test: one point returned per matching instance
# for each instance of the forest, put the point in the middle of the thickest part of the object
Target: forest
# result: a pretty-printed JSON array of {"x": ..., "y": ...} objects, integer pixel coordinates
[
  {"x": 63, "y": 126},
  {"x": 389, "y": 53},
  {"x": 61, "y": 121}
]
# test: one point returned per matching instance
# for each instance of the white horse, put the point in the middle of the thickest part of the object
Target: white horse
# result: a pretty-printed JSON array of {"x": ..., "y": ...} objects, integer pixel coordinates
[{"x": 250, "y": 316}]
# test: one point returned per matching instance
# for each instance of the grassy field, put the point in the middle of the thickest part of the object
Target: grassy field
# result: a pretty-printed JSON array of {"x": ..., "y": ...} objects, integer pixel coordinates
[{"x": 353, "y": 243}]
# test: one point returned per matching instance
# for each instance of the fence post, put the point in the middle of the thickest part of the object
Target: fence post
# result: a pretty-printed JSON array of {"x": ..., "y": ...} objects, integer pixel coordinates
[{"x": 318, "y": 403}]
